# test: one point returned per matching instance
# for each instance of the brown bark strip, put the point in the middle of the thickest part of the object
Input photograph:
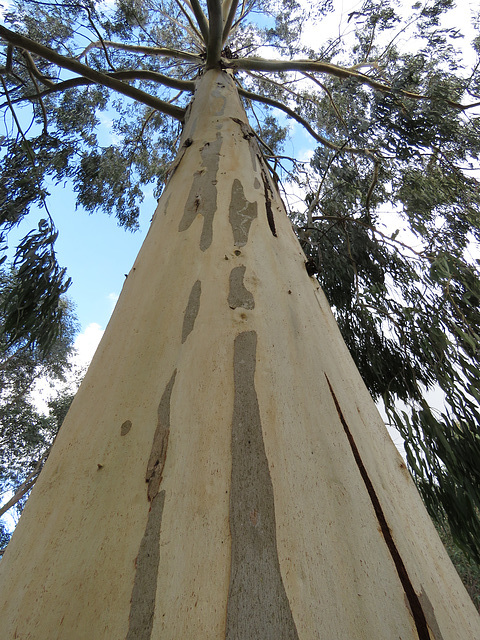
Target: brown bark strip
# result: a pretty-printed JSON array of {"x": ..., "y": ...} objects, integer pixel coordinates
[
  {"x": 241, "y": 214},
  {"x": 239, "y": 295},
  {"x": 202, "y": 198},
  {"x": 142, "y": 602},
  {"x": 412, "y": 597},
  {"x": 158, "y": 454},
  {"x": 257, "y": 606},
  {"x": 268, "y": 203},
  {"x": 191, "y": 311}
]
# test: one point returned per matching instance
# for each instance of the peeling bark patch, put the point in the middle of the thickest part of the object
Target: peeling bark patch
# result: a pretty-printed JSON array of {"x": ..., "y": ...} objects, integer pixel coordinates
[
  {"x": 239, "y": 295},
  {"x": 125, "y": 428},
  {"x": 202, "y": 198},
  {"x": 241, "y": 214},
  {"x": 158, "y": 453},
  {"x": 268, "y": 204},
  {"x": 191, "y": 311},
  {"x": 412, "y": 597},
  {"x": 142, "y": 602},
  {"x": 257, "y": 606},
  {"x": 257, "y": 184}
]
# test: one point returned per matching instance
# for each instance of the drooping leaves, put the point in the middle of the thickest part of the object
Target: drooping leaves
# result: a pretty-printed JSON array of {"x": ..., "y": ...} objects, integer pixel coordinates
[{"x": 32, "y": 309}]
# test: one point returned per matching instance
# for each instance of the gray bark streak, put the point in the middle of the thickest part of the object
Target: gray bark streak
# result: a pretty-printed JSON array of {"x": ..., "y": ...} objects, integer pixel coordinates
[
  {"x": 239, "y": 295},
  {"x": 241, "y": 214},
  {"x": 202, "y": 198},
  {"x": 191, "y": 311},
  {"x": 125, "y": 428},
  {"x": 142, "y": 603},
  {"x": 158, "y": 454},
  {"x": 258, "y": 606}
]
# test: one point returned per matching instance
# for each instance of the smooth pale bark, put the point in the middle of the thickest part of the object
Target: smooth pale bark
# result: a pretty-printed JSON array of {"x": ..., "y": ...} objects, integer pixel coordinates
[{"x": 223, "y": 472}]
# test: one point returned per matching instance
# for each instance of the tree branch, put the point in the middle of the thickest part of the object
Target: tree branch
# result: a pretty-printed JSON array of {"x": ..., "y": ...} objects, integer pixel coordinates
[
  {"x": 279, "y": 105},
  {"x": 142, "y": 74},
  {"x": 228, "y": 19},
  {"x": 90, "y": 74},
  {"x": 39, "y": 97},
  {"x": 330, "y": 97},
  {"x": 164, "y": 52},
  {"x": 215, "y": 33},
  {"x": 315, "y": 66},
  {"x": 25, "y": 486},
  {"x": 107, "y": 57},
  {"x": 191, "y": 29},
  {"x": 200, "y": 18},
  {"x": 33, "y": 68}
]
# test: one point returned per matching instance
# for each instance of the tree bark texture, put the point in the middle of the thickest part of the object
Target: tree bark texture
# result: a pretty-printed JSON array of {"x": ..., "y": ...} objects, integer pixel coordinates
[{"x": 223, "y": 472}]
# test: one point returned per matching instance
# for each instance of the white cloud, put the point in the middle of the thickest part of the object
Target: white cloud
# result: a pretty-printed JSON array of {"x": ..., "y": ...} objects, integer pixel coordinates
[
  {"x": 87, "y": 342},
  {"x": 85, "y": 346}
]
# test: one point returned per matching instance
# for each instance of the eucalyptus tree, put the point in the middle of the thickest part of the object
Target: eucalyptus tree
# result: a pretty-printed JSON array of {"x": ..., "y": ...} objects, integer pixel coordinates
[
  {"x": 26, "y": 433},
  {"x": 223, "y": 471}
]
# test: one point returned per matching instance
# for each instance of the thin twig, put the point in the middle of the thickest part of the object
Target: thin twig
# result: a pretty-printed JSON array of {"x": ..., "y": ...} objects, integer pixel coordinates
[{"x": 99, "y": 36}]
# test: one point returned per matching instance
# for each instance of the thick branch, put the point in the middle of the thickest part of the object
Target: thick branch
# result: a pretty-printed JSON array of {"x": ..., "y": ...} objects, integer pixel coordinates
[
  {"x": 312, "y": 66},
  {"x": 142, "y": 74},
  {"x": 33, "y": 68},
  {"x": 228, "y": 19},
  {"x": 90, "y": 74},
  {"x": 215, "y": 33},
  {"x": 279, "y": 105},
  {"x": 200, "y": 18},
  {"x": 164, "y": 52}
]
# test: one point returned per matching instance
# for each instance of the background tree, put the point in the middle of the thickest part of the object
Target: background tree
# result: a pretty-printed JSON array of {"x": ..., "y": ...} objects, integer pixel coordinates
[{"x": 26, "y": 433}]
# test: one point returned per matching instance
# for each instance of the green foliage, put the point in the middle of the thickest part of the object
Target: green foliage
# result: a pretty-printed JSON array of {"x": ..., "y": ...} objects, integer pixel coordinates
[
  {"x": 32, "y": 307},
  {"x": 395, "y": 233},
  {"x": 25, "y": 433},
  {"x": 467, "y": 569}
]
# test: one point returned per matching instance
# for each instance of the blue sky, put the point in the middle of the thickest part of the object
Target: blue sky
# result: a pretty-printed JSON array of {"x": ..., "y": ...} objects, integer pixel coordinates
[{"x": 95, "y": 250}]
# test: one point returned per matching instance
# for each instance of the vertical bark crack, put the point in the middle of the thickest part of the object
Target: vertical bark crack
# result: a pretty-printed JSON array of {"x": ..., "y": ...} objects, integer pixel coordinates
[
  {"x": 258, "y": 607},
  {"x": 268, "y": 203},
  {"x": 412, "y": 597}
]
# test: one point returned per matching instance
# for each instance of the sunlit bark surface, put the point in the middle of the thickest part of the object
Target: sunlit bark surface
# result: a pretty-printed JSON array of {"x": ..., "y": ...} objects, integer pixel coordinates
[{"x": 223, "y": 472}]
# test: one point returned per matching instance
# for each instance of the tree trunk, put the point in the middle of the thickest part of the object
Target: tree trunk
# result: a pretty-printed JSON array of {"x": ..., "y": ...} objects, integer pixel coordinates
[{"x": 223, "y": 472}]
